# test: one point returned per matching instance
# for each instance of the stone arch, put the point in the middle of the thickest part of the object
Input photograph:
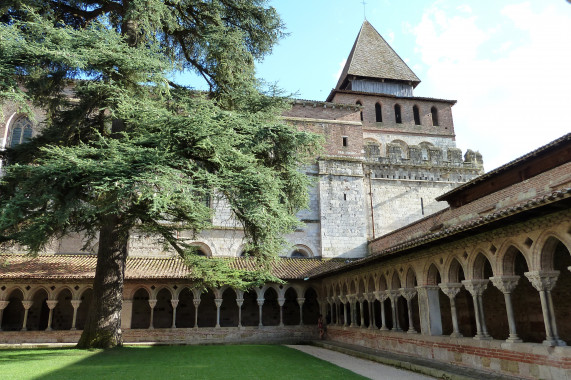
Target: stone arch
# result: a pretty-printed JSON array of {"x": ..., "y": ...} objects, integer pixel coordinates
[
  {"x": 434, "y": 116},
  {"x": 270, "y": 308},
  {"x": 507, "y": 259},
  {"x": 185, "y": 310},
  {"x": 403, "y": 148},
  {"x": 135, "y": 290},
  {"x": 372, "y": 148},
  {"x": 85, "y": 297},
  {"x": 163, "y": 310},
  {"x": 13, "y": 315},
  {"x": 291, "y": 306},
  {"x": 398, "y": 113},
  {"x": 229, "y": 307},
  {"x": 395, "y": 281},
  {"x": 202, "y": 249},
  {"x": 207, "y": 308},
  {"x": 410, "y": 280},
  {"x": 310, "y": 306},
  {"x": 359, "y": 103},
  {"x": 63, "y": 312},
  {"x": 416, "y": 114},
  {"x": 455, "y": 271},
  {"x": 433, "y": 276},
  {"x": 250, "y": 315},
  {"x": 382, "y": 283},
  {"x": 141, "y": 310},
  {"x": 544, "y": 249},
  {"x": 378, "y": 112},
  {"x": 482, "y": 266},
  {"x": 300, "y": 250},
  {"x": 19, "y": 129},
  {"x": 425, "y": 149},
  {"x": 371, "y": 286},
  {"x": 39, "y": 312}
]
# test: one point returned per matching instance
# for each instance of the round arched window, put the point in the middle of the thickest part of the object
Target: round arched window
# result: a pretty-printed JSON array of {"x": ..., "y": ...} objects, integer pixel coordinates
[
  {"x": 21, "y": 132},
  {"x": 298, "y": 253}
]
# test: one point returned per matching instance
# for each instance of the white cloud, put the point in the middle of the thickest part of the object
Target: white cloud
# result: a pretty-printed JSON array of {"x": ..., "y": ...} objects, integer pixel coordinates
[
  {"x": 391, "y": 37},
  {"x": 341, "y": 66},
  {"x": 508, "y": 104}
]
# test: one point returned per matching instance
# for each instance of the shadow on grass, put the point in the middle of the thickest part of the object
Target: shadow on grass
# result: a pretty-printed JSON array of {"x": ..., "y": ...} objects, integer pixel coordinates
[{"x": 174, "y": 362}]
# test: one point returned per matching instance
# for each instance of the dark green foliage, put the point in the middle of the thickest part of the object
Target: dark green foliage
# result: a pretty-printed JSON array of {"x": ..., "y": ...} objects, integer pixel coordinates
[{"x": 121, "y": 139}]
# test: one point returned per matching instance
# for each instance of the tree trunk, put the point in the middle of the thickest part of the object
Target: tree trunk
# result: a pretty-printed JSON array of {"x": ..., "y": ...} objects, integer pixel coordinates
[{"x": 103, "y": 324}]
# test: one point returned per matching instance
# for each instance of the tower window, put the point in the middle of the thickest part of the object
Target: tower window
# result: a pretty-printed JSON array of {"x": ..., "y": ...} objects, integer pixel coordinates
[
  {"x": 416, "y": 114},
  {"x": 345, "y": 141},
  {"x": 378, "y": 113},
  {"x": 21, "y": 132},
  {"x": 434, "y": 113},
  {"x": 398, "y": 117}
]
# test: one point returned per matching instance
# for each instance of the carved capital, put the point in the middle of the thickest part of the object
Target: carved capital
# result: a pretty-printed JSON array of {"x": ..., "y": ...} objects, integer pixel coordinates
[
  {"x": 218, "y": 302},
  {"x": 27, "y": 304},
  {"x": 281, "y": 301},
  {"x": 343, "y": 299},
  {"x": 475, "y": 287},
  {"x": 260, "y": 301},
  {"x": 300, "y": 301},
  {"x": 381, "y": 295},
  {"x": 3, "y": 304},
  {"x": 75, "y": 303},
  {"x": 51, "y": 304},
  {"x": 394, "y": 294},
  {"x": 152, "y": 303},
  {"x": 451, "y": 289},
  {"x": 543, "y": 280},
  {"x": 196, "y": 302},
  {"x": 506, "y": 284},
  {"x": 174, "y": 304},
  {"x": 240, "y": 301},
  {"x": 361, "y": 299},
  {"x": 407, "y": 293}
]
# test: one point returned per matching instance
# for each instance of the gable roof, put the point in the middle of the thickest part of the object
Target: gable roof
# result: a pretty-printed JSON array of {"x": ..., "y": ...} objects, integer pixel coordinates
[{"x": 372, "y": 57}]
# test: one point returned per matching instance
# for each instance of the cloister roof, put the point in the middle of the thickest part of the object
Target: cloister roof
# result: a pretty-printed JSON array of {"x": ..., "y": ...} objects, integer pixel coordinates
[{"x": 62, "y": 267}]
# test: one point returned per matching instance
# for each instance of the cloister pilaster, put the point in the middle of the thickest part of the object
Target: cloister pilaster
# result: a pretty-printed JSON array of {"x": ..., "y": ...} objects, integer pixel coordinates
[
  {"x": 239, "y": 302},
  {"x": 3, "y": 305},
  {"x": 544, "y": 282},
  {"x": 452, "y": 290},
  {"x": 382, "y": 296},
  {"x": 27, "y": 305},
  {"x": 75, "y": 304},
  {"x": 51, "y": 305},
  {"x": 260, "y": 304},
  {"x": 300, "y": 302},
  {"x": 393, "y": 296},
  {"x": 196, "y": 303},
  {"x": 361, "y": 300},
  {"x": 507, "y": 284},
  {"x": 152, "y": 304},
  {"x": 174, "y": 304},
  {"x": 476, "y": 289},
  {"x": 343, "y": 300},
  {"x": 408, "y": 294},
  {"x": 218, "y": 303},
  {"x": 281, "y": 302}
]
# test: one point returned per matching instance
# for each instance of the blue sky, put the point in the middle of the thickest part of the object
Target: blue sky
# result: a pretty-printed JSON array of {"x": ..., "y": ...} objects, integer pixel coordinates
[{"x": 508, "y": 62}]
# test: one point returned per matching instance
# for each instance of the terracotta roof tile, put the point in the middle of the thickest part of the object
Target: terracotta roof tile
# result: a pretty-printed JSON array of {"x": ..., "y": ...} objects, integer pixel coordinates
[{"x": 61, "y": 267}]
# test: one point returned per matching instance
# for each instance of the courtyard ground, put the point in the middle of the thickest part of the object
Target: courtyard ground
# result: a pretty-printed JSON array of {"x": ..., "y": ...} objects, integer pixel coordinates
[{"x": 168, "y": 362}]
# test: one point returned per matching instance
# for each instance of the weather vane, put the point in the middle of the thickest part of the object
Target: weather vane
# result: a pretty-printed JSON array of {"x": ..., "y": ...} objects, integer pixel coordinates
[{"x": 364, "y": 9}]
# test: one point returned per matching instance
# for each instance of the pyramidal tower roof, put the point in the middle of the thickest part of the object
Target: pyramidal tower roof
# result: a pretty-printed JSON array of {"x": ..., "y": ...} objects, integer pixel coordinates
[{"x": 372, "y": 57}]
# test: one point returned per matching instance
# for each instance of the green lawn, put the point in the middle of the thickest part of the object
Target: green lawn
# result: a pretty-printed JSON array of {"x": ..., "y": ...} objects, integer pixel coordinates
[{"x": 168, "y": 362}]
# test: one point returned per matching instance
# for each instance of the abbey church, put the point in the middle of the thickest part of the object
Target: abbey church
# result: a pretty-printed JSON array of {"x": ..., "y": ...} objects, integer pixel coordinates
[{"x": 407, "y": 246}]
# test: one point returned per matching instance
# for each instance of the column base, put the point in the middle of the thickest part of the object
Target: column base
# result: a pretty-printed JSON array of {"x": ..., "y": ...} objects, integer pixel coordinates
[
  {"x": 456, "y": 335},
  {"x": 49, "y": 329},
  {"x": 371, "y": 327},
  {"x": 384, "y": 328},
  {"x": 217, "y": 326},
  {"x": 396, "y": 329},
  {"x": 72, "y": 329},
  {"x": 482, "y": 337},
  {"x": 413, "y": 331},
  {"x": 554, "y": 342},
  {"x": 281, "y": 325},
  {"x": 514, "y": 339}
]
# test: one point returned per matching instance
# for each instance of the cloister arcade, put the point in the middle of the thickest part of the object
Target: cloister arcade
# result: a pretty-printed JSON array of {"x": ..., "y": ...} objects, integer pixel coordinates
[
  {"x": 511, "y": 289},
  {"x": 63, "y": 307}
]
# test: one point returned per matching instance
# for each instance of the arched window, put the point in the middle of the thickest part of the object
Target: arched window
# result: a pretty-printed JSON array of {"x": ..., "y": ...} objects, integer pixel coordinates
[
  {"x": 416, "y": 114},
  {"x": 398, "y": 117},
  {"x": 360, "y": 104},
  {"x": 434, "y": 113},
  {"x": 378, "y": 113},
  {"x": 21, "y": 132},
  {"x": 298, "y": 253}
]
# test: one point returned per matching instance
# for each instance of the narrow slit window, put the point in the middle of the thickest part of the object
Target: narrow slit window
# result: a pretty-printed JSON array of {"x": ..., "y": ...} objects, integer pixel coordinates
[
  {"x": 378, "y": 113},
  {"x": 434, "y": 113},
  {"x": 398, "y": 116},
  {"x": 344, "y": 197},
  {"x": 416, "y": 115},
  {"x": 345, "y": 141},
  {"x": 360, "y": 113}
]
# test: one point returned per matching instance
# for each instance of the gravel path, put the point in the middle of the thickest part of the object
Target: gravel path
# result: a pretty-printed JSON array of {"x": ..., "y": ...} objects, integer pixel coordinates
[{"x": 367, "y": 368}]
